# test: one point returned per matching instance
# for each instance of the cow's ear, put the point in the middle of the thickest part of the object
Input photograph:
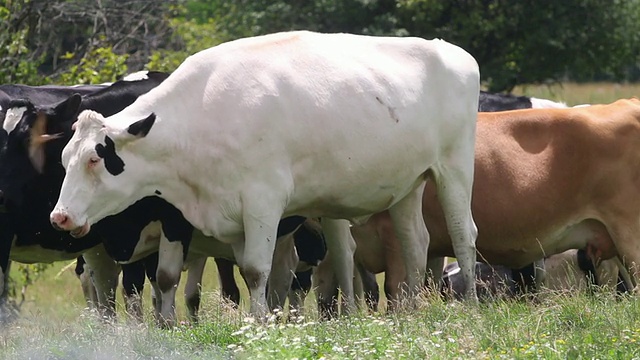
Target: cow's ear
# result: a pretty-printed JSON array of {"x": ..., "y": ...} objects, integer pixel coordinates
[
  {"x": 68, "y": 109},
  {"x": 142, "y": 127}
]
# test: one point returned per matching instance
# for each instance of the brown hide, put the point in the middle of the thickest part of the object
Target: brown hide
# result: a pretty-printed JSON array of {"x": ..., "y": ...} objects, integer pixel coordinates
[{"x": 546, "y": 180}]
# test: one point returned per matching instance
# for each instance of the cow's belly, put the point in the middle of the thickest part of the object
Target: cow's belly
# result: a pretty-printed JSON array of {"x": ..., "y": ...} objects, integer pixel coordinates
[
  {"x": 519, "y": 251},
  {"x": 148, "y": 243},
  {"x": 208, "y": 246},
  {"x": 347, "y": 192}
]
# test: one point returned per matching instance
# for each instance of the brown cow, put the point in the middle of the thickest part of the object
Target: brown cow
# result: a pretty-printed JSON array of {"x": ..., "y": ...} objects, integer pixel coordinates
[{"x": 546, "y": 180}]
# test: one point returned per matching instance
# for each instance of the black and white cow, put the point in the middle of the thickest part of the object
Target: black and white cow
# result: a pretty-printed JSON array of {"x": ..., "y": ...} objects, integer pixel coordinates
[
  {"x": 26, "y": 253},
  {"x": 142, "y": 229},
  {"x": 29, "y": 168},
  {"x": 45, "y": 94}
]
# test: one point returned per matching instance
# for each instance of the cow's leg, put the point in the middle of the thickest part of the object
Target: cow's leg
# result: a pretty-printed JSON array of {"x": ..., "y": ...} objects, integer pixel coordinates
[
  {"x": 326, "y": 288},
  {"x": 170, "y": 264},
  {"x": 88, "y": 290},
  {"x": 393, "y": 280},
  {"x": 300, "y": 287},
  {"x": 370, "y": 287},
  {"x": 4, "y": 282},
  {"x": 454, "y": 181},
  {"x": 255, "y": 255},
  {"x": 626, "y": 247},
  {"x": 435, "y": 267},
  {"x": 156, "y": 300},
  {"x": 193, "y": 287},
  {"x": 133, "y": 276},
  {"x": 227, "y": 280},
  {"x": 540, "y": 274},
  {"x": 285, "y": 261},
  {"x": 6, "y": 240},
  {"x": 151, "y": 269},
  {"x": 104, "y": 274},
  {"x": 410, "y": 229},
  {"x": 342, "y": 246}
]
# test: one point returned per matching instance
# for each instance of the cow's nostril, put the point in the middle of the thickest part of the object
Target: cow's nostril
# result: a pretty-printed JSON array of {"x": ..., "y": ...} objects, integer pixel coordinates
[{"x": 59, "y": 221}]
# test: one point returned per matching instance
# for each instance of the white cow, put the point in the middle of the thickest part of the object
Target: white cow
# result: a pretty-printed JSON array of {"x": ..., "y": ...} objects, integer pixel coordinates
[{"x": 243, "y": 134}]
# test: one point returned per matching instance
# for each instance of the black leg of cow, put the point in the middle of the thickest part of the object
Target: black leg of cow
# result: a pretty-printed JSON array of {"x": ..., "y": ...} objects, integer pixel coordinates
[
  {"x": 133, "y": 277},
  {"x": 193, "y": 288},
  {"x": 6, "y": 238},
  {"x": 8, "y": 310},
  {"x": 524, "y": 279},
  {"x": 228, "y": 285}
]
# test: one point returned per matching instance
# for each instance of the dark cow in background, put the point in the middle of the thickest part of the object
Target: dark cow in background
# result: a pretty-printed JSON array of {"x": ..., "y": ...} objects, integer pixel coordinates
[
  {"x": 490, "y": 102},
  {"x": 42, "y": 95},
  {"x": 45, "y": 94},
  {"x": 28, "y": 169}
]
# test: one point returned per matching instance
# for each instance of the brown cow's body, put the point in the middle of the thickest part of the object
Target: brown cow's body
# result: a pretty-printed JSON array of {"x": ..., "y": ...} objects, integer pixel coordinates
[{"x": 546, "y": 180}]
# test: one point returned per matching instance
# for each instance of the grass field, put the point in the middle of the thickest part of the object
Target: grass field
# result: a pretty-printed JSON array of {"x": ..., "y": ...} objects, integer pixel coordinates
[
  {"x": 576, "y": 94},
  {"x": 53, "y": 324}
]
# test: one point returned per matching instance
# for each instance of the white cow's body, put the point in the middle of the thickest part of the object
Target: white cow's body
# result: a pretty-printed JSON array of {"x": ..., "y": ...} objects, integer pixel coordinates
[{"x": 336, "y": 126}]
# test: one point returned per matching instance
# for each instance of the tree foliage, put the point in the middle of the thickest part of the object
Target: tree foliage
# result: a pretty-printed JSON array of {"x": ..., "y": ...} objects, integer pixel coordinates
[
  {"x": 530, "y": 41},
  {"x": 514, "y": 41}
]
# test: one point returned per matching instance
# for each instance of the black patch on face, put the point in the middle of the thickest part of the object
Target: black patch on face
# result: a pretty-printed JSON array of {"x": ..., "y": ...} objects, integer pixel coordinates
[
  {"x": 157, "y": 192},
  {"x": 112, "y": 162}
]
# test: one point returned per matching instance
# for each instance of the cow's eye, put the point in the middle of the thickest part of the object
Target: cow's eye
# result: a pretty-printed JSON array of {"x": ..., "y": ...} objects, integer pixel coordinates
[{"x": 93, "y": 161}]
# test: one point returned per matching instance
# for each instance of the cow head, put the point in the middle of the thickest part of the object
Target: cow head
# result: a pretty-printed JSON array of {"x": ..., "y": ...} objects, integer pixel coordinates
[
  {"x": 30, "y": 136},
  {"x": 106, "y": 171}
]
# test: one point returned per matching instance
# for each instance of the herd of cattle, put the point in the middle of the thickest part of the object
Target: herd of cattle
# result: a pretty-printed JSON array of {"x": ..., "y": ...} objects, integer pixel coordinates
[{"x": 300, "y": 153}]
